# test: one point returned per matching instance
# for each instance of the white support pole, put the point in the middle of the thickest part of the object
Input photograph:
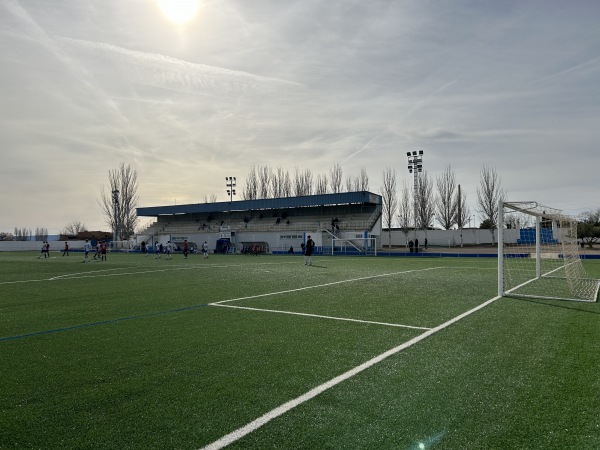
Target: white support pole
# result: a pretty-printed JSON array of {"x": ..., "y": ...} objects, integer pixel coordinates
[
  {"x": 500, "y": 248},
  {"x": 538, "y": 256}
]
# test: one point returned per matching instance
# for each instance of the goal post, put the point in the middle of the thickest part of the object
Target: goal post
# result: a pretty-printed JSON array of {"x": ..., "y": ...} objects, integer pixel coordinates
[
  {"x": 538, "y": 254},
  {"x": 119, "y": 246},
  {"x": 357, "y": 246}
]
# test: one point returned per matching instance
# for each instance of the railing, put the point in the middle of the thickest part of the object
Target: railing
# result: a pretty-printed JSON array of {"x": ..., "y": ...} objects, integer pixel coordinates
[
  {"x": 374, "y": 217},
  {"x": 260, "y": 226}
]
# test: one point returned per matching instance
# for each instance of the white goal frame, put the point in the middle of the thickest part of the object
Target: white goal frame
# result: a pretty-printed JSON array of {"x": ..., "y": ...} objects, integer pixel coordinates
[
  {"x": 364, "y": 245},
  {"x": 119, "y": 246},
  {"x": 541, "y": 262}
]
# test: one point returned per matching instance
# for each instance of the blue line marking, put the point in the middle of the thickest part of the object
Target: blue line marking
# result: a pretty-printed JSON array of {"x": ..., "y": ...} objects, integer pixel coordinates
[{"x": 104, "y": 322}]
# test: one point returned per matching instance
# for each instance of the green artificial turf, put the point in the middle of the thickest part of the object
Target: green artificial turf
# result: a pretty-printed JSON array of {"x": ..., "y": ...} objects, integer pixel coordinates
[{"x": 130, "y": 353}]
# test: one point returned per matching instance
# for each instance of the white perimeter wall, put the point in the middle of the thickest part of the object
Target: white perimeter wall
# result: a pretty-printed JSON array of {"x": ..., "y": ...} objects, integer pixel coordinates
[
  {"x": 447, "y": 238},
  {"x": 283, "y": 240},
  {"x": 55, "y": 246}
]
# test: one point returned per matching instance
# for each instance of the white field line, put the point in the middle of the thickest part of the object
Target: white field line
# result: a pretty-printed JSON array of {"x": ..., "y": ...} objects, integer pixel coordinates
[
  {"x": 533, "y": 279},
  {"x": 97, "y": 274},
  {"x": 333, "y": 283},
  {"x": 76, "y": 274},
  {"x": 280, "y": 410},
  {"x": 121, "y": 274},
  {"x": 320, "y": 316},
  {"x": 20, "y": 281}
]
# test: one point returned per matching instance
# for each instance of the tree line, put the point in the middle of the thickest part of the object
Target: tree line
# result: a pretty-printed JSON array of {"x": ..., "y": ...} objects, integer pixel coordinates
[
  {"x": 428, "y": 200},
  {"x": 25, "y": 234},
  {"x": 441, "y": 200},
  {"x": 266, "y": 182}
]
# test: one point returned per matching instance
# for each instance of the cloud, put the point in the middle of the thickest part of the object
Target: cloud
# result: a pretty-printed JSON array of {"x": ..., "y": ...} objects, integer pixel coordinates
[
  {"x": 292, "y": 84},
  {"x": 171, "y": 73}
]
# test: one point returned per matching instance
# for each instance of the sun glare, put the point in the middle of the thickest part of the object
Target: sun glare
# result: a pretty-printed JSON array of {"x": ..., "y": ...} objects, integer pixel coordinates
[{"x": 179, "y": 11}]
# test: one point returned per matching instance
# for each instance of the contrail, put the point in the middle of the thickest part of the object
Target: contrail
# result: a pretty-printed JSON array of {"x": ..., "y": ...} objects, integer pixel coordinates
[
  {"x": 167, "y": 72},
  {"x": 362, "y": 149}
]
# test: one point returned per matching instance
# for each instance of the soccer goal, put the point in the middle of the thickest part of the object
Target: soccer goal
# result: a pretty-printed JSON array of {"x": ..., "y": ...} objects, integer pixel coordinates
[
  {"x": 538, "y": 254},
  {"x": 358, "y": 246},
  {"x": 119, "y": 246}
]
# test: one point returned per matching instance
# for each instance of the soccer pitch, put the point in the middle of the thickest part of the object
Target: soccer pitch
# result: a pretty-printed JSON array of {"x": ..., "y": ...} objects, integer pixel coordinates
[{"x": 264, "y": 352}]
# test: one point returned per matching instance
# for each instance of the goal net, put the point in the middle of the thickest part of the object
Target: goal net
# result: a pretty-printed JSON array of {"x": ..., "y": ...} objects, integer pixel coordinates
[
  {"x": 358, "y": 246},
  {"x": 538, "y": 254},
  {"x": 119, "y": 246}
]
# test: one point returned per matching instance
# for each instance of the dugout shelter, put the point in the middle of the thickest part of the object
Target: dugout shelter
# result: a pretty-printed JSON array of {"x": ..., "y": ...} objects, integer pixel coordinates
[{"x": 351, "y": 220}]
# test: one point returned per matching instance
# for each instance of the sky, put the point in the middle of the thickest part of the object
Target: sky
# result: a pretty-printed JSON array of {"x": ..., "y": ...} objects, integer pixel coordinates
[{"x": 303, "y": 85}]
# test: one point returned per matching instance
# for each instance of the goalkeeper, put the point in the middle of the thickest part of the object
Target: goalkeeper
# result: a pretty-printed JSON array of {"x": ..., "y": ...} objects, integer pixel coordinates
[{"x": 308, "y": 249}]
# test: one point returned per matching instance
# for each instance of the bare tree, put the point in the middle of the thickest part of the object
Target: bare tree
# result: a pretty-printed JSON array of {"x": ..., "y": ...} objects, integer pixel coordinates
[
  {"x": 335, "y": 178},
  {"x": 390, "y": 200},
  {"x": 425, "y": 201},
  {"x": 405, "y": 210},
  {"x": 592, "y": 216},
  {"x": 308, "y": 182},
  {"x": 349, "y": 183},
  {"x": 489, "y": 193},
  {"x": 123, "y": 180},
  {"x": 359, "y": 182},
  {"x": 446, "y": 204},
  {"x": 74, "y": 228},
  {"x": 278, "y": 183},
  {"x": 286, "y": 187},
  {"x": 321, "y": 184},
  {"x": 302, "y": 182},
  {"x": 250, "y": 191},
  {"x": 41, "y": 234},
  {"x": 298, "y": 182},
  {"x": 210, "y": 198},
  {"x": 264, "y": 181},
  {"x": 363, "y": 181},
  {"x": 463, "y": 212},
  {"x": 22, "y": 234}
]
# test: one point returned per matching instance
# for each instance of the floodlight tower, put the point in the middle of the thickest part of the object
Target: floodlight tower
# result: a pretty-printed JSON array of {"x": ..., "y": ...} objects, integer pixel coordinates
[
  {"x": 115, "y": 197},
  {"x": 230, "y": 183},
  {"x": 415, "y": 166}
]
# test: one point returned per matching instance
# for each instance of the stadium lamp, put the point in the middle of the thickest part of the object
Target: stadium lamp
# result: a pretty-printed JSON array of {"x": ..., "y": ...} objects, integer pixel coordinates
[
  {"x": 230, "y": 183},
  {"x": 415, "y": 165}
]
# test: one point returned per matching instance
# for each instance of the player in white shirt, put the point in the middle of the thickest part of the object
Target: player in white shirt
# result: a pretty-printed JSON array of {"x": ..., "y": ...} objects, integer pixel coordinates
[
  {"x": 168, "y": 249},
  {"x": 205, "y": 249},
  {"x": 87, "y": 248}
]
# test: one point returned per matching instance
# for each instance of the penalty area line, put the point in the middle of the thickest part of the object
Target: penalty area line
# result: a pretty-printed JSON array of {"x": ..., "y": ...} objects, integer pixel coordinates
[
  {"x": 320, "y": 316},
  {"x": 316, "y": 286},
  {"x": 280, "y": 410}
]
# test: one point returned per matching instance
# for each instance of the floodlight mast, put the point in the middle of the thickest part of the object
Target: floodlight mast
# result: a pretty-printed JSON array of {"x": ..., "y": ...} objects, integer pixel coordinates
[
  {"x": 230, "y": 183},
  {"x": 415, "y": 166}
]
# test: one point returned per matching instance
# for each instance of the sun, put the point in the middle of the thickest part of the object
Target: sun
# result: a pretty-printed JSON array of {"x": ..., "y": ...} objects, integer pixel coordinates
[{"x": 179, "y": 11}]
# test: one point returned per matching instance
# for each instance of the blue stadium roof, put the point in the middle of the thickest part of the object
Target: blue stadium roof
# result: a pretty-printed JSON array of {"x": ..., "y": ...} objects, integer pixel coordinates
[{"x": 347, "y": 198}]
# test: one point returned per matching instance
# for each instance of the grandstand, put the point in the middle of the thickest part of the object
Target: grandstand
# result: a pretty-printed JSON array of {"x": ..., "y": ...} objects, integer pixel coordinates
[{"x": 274, "y": 224}]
